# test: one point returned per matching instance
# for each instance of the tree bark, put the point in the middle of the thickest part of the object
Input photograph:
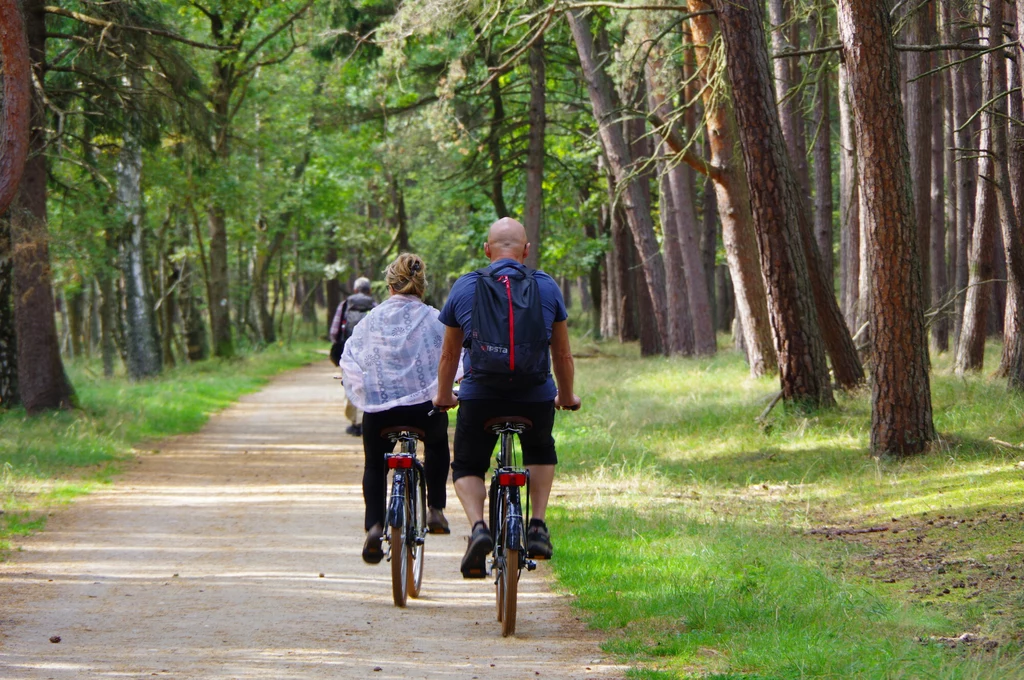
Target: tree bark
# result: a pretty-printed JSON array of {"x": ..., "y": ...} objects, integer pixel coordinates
[
  {"x": 919, "y": 135},
  {"x": 534, "y": 202},
  {"x": 17, "y": 101},
  {"x": 965, "y": 177},
  {"x": 785, "y": 35},
  {"x": 143, "y": 347},
  {"x": 684, "y": 270},
  {"x": 1010, "y": 185},
  {"x": 937, "y": 264},
  {"x": 970, "y": 355},
  {"x": 9, "y": 393},
  {"x": 638, "y": 212},
  {"x": 822, "y": 149},
  {"x": 776, "y": 202},
  {"x": 732, "y": 196},
  {"x": 901, "y": 411},
  {"x": 41, "y": 378},
  {"x": 849, "y": 208}
]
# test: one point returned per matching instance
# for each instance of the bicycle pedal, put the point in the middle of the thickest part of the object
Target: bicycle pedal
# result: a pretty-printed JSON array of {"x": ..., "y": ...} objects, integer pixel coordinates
[{"x": 530, "y": 565}]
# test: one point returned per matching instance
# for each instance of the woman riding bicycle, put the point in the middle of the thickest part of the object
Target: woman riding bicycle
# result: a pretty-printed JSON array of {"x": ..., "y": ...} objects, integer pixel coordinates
[{"x": 389, "y": 370}]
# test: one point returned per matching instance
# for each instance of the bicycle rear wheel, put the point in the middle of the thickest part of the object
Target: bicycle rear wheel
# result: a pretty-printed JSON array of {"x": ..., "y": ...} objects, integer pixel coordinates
[
  {"x": 418, "y": 530},
  {"x": 400, "y": 555},
  {"x": 508, "y": 592}
]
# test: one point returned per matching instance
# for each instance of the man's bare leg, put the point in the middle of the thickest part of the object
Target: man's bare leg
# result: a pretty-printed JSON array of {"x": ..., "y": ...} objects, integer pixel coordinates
[
  {"x": 542, "y": 477},
  {"x": 471, "y": 493}
]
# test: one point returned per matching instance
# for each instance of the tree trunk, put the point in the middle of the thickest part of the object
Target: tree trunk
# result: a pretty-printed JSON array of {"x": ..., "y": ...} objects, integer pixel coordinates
[
  {"x": 534, "y": 202},
  {"x": 41, "y": 378},
  {"x": 1010, "y": 185},
  {"x": 75, "y": 300},
  {"x": 919, "y": 136},
  {"x": 901, "y": 410},
  {"x": 822, "y": 148},
  {"x": 17, "y": 101},
  {"x": 638, "y": 212},
  {"x": 849, "y": 207},
  {"x": 684, "y": 270},
  {"x": 776, "y": 202},
  {"x": 937, "y": 264},
  {"x": 9, "y": 394},
  {"x": 785, "y": 36},
  {"x": 733, "y": 201},
  {"x": 965, "y": 177},
  {"x": 952, "y": 187},
  {"x": 970, "y": 354},
  {"x": 494, "y": 130},
  {"x": 143, "y": 348}
]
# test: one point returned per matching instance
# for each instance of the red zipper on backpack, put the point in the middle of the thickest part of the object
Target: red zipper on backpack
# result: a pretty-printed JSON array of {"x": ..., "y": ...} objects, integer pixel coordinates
[{"x": 511, "y": 325}]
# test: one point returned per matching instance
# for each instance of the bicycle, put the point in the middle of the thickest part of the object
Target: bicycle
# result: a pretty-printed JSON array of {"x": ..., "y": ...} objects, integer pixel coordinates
[
  {"x": 405, "y": 528},
  {"x": 506, "y": 519}
]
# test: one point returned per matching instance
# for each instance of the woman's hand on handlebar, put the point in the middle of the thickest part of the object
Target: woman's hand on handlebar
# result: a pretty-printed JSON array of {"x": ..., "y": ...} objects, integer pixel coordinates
[{"x": 563, "y": 404}]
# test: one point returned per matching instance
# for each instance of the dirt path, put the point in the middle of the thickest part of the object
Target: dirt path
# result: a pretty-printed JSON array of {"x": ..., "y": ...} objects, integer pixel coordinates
[{"x": 235, "y": 553}]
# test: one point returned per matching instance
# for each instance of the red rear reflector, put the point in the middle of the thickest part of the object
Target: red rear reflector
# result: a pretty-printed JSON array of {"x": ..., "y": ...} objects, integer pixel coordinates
[
  {"x": 512, "y": 479},
  {"x": 399, "y": 461}
]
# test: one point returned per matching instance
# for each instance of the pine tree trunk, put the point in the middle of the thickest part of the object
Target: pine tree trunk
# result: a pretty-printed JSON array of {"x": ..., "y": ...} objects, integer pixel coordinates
[
  {"x": 638, "y": 212},
  {"x": 1011, "y": 212},
  {"x": 494, "y": 131},
  {"x": 901, "y": 411},
  {"x": 776, "y": 203},
  {"x": 937, "y": 264},
  {"x": 822, "y": 149},
  {"x": 733, "y": 202},
  {"x": 849, "y": 207},
  {"x": 919, "y": 136},
  {"x": 41, "y": 378},
  {"x": 970, "y": 354},
  {"x": 952, "y": 187},
  {"x": 9, "y": 394},
  {"x": 143, "y": 349},
  {"x": 533, "y": 206},
  {"x": 686, "y": 283},
  {"x": 785, "y": 36},
  {"x": 965, "y": 177}
]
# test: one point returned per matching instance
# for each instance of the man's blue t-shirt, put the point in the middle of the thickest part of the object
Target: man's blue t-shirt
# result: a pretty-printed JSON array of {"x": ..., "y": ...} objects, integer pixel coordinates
[{"x": 458, "y": 313}]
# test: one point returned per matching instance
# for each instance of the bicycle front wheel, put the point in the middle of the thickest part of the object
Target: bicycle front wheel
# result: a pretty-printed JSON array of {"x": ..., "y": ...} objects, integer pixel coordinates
[
  {"x": 400, "y": 555},
  {"x": 418, "y": 531},
  {"x": 508, "y": 592}
]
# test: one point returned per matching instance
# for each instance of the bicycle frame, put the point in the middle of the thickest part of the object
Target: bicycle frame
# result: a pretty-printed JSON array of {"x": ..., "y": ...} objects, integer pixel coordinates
[{"x": 405, "y": 526}]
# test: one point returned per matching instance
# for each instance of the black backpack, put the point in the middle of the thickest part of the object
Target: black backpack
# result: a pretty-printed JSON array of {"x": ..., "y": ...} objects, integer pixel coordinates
[
  {"x": 508, "y": 344},
  {"x": 353, "y": 309}
]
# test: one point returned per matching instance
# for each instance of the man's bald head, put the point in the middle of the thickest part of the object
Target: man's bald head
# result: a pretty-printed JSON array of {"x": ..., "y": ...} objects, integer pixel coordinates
[{"x": 507, "y": 239}]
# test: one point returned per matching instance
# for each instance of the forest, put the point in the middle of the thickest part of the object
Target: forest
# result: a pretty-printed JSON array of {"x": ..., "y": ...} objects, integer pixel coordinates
[{"x": 836, "y": 186}]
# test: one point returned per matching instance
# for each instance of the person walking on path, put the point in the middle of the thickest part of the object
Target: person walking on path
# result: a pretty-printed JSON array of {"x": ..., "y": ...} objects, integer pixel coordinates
[
  {"x": 349, "y": 314},
  {"x": 485, "y": 393},
  {"x": 389, "y": 369}
]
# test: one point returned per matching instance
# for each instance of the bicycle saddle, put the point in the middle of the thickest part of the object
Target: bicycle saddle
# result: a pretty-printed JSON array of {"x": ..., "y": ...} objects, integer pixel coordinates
[
  {"x": 387, "y": 432},
  {"x": 497, "y": 423}
]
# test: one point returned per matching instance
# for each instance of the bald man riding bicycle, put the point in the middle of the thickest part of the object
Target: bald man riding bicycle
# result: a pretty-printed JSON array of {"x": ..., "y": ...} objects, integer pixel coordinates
[{"x": 480, "y": 400}]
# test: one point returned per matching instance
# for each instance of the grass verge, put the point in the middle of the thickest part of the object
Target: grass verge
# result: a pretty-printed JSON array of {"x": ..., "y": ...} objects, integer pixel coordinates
[
  {"x": 51, "y": 458},
  {"x": 708, "y": 545}
]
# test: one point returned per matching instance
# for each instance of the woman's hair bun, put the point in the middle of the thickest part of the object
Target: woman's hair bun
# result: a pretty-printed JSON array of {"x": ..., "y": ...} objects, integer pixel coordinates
[{"x": 406, "y": 275}]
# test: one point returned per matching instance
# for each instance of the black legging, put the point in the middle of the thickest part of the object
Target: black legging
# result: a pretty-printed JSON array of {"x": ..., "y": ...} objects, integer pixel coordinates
[{"x": 436, "y": 456}]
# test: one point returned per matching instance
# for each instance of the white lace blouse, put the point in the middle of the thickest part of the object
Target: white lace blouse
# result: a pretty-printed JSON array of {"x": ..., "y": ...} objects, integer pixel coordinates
[{"x": 391, "y": 359}]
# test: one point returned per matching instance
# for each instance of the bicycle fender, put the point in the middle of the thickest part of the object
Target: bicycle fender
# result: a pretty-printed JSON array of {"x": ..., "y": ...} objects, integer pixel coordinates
[{"x": 396, "y": 506}]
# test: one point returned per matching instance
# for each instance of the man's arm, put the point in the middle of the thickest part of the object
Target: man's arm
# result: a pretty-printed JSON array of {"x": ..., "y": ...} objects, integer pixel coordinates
[
  {"x": 563, "y": 367},
  {"x": 448, "y": 367}
]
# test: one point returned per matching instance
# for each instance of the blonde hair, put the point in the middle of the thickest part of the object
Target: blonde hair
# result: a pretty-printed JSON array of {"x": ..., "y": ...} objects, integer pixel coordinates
[{"x": 407, "y": 275}]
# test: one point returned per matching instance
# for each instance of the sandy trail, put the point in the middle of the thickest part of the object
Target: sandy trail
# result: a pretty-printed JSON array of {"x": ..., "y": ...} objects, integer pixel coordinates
[{"x": 205, "y": 560}]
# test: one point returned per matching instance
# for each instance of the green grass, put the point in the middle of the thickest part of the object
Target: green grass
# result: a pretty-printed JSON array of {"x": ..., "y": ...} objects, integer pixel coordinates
[
  {"x": 682, "y": 527},
  {"x": 51, "y": 458}
]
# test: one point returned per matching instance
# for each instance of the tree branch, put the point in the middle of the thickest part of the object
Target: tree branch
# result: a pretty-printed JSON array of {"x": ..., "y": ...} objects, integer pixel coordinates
[
  {"x": 106, "y": 25},
  {"x": 277, "y": 31}
]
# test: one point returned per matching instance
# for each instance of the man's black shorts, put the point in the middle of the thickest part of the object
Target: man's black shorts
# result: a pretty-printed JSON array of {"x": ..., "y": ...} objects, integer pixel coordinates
[{"x": 474, "y": 446}]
